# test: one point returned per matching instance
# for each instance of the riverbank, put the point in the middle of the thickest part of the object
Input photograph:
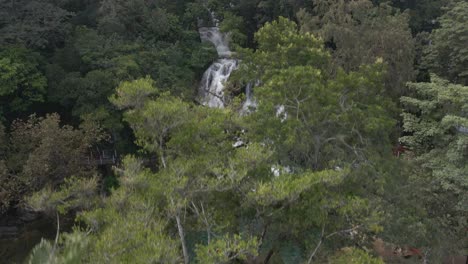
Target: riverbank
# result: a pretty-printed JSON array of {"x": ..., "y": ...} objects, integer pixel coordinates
[{"x": 20, "y": 231}]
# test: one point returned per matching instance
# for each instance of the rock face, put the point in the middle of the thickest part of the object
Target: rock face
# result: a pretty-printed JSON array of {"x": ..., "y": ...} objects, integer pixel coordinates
[
  {"x": 13, "y": 222},
  {"x": 20, "y": 231}
]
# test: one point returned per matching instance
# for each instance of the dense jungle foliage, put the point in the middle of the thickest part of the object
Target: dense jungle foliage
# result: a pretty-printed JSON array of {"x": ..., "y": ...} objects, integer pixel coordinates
[{"x": 357, "y": 151}]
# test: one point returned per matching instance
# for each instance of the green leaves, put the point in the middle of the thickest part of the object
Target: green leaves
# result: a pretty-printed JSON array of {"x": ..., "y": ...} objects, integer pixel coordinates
[
  {"x": 69, "y": 249},
  {"x": 434, "y": 119},
  {"x": 47, "y": 153},
  {"x": 21, "y": 81},
  {"x": 234, "y": 26},
  {"x": 309, "y": 171},
  {"x": 329, "y": 130},
  {"x": 48, "y": 164},
  {"x": 227, "y": 249},
  {"x": 134, "y": 94},
  {"x": 75, "y": 194},
  {"x": 353, "y": 32},
  {"x": 353, "y": 256},
  {"x": 289, "y": 187},
  {"x": 197, "y": 161},
  {"x": 322, "y": 117},
  {"x": 131, "y": 226},
  {"x": 447, "y": 55},
  {"x": 135, "y": 237},
  {"x": 281, "y": 40},
  {"x": 35, "y": 24},
  {"x": 437, "y": 109}
]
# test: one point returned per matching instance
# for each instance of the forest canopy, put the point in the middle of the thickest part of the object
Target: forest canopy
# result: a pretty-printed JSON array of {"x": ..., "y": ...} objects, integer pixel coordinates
[{"x": 340, "y": 132}]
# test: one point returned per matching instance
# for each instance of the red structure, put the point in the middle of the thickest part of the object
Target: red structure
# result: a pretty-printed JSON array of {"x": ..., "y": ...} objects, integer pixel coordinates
[{"x": 398, "y": 150}]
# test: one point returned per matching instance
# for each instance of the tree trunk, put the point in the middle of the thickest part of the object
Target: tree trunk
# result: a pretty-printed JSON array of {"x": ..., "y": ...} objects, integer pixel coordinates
[
  {"x": 268, "y": 257},
  {"x": 182, "y": 239},
  {"x": 161, "y": 153}
]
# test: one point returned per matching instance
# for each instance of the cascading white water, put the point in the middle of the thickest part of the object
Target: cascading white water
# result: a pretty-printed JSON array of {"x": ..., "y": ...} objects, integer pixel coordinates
[
  {"x": 219, "y": 40},
  {"x": 250, "y": 103},
  {"x": 211, "y": 90},
  {"x": 212, "y": 87}
]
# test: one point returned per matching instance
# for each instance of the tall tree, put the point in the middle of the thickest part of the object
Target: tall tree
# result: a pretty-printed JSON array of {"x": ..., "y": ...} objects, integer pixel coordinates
[
  {"x": 437, "y": 132},
  {"x": 316, "y": 121},
  {"x": 423, "y": 14},
  {"x": 189, "y": 141},
  {"x": 352, "y": 30},
  {"x": 35, "y": 24},
  {"x": 200, "y": 172},
  {"x": 43, "y": 155},
  {"x": 21, "y": 81},
  {"x": 294, "y": 84},
  {"x": 447, "y": 53}
]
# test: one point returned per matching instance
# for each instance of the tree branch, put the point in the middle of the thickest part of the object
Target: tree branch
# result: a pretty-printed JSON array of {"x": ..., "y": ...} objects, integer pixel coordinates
[{"x": 318, "y": 245}]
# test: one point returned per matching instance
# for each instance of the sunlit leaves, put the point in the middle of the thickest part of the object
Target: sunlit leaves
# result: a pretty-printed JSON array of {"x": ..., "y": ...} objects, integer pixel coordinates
[
  {"x": 69, "y": 249},
  {"x": 353, "y": 256},
  {"x": 289, "y": 187},
  {"x": 281, "y": 40},
  {"x": 227, "y": 249},
  {"x": 75, "y": 194},
  {"x": 134, "y": 94}
]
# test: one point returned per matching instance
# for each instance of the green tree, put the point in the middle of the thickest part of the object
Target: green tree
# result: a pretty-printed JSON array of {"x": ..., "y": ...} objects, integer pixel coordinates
[
  {"x": 138, "y": 18},
  {"x": 227, "y": 249},
  {"x": 21, "y": 81},
  {"x": 162, "y": 122},
  {"x": 200, "y": 173},
  {"x": 436, "y": 124},
  {"x": 42, "y": 157},
  {"x": 447, "y": 54},
  {"x": 67, "y": 249},
  {"x": 35, "y": 24},
  {"x": 292, "y": 69},
  {"x": 46, "y": 165},
  {"x": 234, "y": 26},
  {"x": 353, "y": 255},
  {"x": 423, "y": 14},
  {"x": 309, "y": 173},
  {"x": 46, "y": 152},
  {"x": 353, "y": 32},
  {"x": 319, "y": 125},
  {"x": 86, "y": 96},
  {"x": 133, "y": 217}
]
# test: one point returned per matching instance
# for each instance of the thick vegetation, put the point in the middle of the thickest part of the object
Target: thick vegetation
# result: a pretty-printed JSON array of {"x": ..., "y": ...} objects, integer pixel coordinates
[{"x": 359, "y": 137}]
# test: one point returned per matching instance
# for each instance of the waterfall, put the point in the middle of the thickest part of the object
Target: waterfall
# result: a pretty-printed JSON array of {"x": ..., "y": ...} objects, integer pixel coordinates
[
  {"x": 219, "y": 40},
  {"x": 212, "y": 86},
  {"x": 211, "y": 92},
  {"x": 250, "y": 103}
]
